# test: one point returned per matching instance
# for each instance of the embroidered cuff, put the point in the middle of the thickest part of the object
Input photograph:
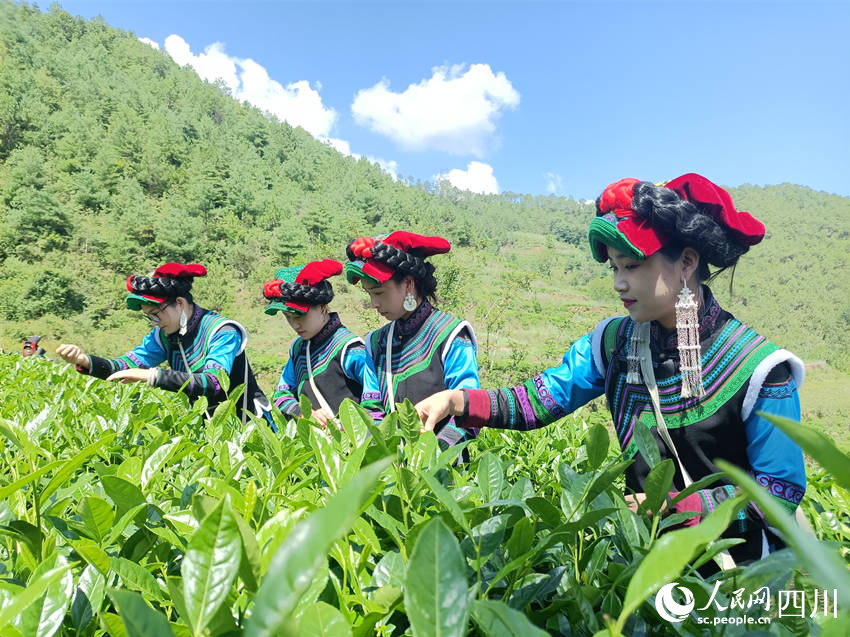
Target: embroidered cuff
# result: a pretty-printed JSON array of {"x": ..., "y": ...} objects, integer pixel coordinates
[
  {"x": 476, "y": 406},
  {"x": 691, "y": 503}
]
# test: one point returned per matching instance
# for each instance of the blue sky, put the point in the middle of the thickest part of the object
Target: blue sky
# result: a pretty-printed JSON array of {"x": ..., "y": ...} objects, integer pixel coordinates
[{"x": 536, "y": 98}]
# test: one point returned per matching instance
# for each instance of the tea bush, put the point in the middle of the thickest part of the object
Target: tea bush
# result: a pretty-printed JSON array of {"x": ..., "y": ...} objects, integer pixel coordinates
[{"x": 124, "y": 512}]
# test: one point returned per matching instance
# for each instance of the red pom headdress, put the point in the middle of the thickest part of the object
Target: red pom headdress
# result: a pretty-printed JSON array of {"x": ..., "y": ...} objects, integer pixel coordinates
[
  {"x": 619, "y": 227},
  {"x": 153, "y": 294},
  {"x": 378, "y": 258},
  {"x": 295, "y": 289}
]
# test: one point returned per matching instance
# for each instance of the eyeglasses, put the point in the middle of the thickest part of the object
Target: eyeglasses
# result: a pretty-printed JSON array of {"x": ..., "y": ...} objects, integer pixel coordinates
[{"x": 154, "y": 316}]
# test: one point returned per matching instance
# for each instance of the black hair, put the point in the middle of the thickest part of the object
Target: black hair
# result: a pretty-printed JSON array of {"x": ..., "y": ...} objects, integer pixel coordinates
[
  {"x": 168, "y": 287},
  {"x": 320, "y": 294},
  {"x": 426, "y": 286},
  {"x": 688, "y": 225}
]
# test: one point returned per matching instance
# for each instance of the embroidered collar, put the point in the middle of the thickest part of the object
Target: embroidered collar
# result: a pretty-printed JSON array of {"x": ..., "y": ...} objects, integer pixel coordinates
[
  {"x": 333, "y": 324},
  {"x": 407, "y": 328},
  {"x": 195, "y": 319},
  {"x": 707, "y": 321},
  {"x": 191, "y": 327}
]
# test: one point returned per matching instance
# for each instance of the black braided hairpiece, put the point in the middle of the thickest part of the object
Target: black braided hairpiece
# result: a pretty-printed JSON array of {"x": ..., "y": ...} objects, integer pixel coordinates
[
  {"x": 320, "y": 294},
  {"x": 687, "y": 224},
  {"x": 162, "y": 286},
  {"x": 402, "y": 262}
]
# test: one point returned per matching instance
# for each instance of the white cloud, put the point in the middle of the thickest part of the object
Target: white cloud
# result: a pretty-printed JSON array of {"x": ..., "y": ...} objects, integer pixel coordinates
[
  {"x": 211, "y": 65},
  {"x": 390, "y": 167},
  {"x": 455, "y": 110},
  {"x": 342, "y": 146},
  {"x": 477, "y": 177},
  {"x": 297, "y": 103},
  {"x": 553, "y": 183},
  {"x": 150, "y": 43}
]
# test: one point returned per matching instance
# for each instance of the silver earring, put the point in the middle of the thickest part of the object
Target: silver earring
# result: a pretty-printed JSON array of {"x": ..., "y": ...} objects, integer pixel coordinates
[
  {"x": 184, "y": 322},
  {"x": 690, "y": 353},
  {"x": 409, "y": 302}
]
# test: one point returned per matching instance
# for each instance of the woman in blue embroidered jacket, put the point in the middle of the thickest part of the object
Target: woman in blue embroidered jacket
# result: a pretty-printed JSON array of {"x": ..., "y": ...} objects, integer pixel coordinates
[
  {"x": 428, "y": 350},
  {"x": 327, "y": 361},
  {"x": 710, "y": 391},
  {"x": 196, "y": 343}
]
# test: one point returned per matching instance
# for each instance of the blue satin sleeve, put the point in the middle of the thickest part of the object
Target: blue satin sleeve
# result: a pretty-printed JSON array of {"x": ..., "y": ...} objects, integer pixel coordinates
[
  {"x": 461, "y": 365},
  {"x": 371, "y": 399},
  {"x": 223, "y": 349},
  {"x": 285, "y": 394},
  {"x": 355, "y": 363},
  {"x": 543, "y": 399},
  {"x": 776, "y": 461},
  {"x": 149, "y": 354}
]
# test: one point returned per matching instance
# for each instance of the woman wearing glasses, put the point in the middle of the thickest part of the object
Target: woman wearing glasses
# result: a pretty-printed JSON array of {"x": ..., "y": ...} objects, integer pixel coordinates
[{"x": 196, "y": 343}]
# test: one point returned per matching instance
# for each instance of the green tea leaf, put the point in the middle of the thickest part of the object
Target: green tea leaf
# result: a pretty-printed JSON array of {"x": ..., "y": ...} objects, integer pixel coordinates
[
  {"x": 44, "y": 617},
  {"x": 158, "y": 459},
  {"x": 29, "y": 595},
  {"x": 521, "y": 538},
  {"x": 124, "y": 495},
  {"x": 113, "y": 625},
  {"x": 139, "y": 619},
  {"x": 671, "y": 553},
  {"x": 597, "y": 442},
  {"x": 605, "y": 478},
  {"x": 435, "y": 592},
  {"x": 136, "y": 577},
  {"x": 497, "y": 619},
  {"x": 658, "y": 484},
  {"x": 446, "y": 500},
  {"x": 353, "y": 462},
  {"x": 409, "y": 420},
  {"x": 815, "y": 443},
  {"x": 329, "y": 460},
  {"x": 97, "y": 517},
  {"x": 210, "y": 565},
  {"x": 93, "y": 554},
  {"x": 389, "y": 571},
  {"x": 491, "y": 477},
  {"x": 88, "y": 596},
  {"x": 825, "y": 566},
  {"x": 303, "y": 552},
  {"x": 323, "y": 619},
  {"x": 250, "y": 565},
  {"x": 17, "y": 485},
  {"x": 70, "y": 466},
  {"x": 646, "y": 444},
  {"x": 355, "y": 421}
]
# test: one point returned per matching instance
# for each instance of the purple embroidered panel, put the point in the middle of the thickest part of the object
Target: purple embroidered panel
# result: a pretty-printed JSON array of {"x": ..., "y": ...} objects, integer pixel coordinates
[{"x": 780, "y": 488}]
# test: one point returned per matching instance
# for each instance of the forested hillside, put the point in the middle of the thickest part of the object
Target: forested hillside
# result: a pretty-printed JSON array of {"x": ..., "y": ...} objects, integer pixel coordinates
[{"x": 113, "y": 159}]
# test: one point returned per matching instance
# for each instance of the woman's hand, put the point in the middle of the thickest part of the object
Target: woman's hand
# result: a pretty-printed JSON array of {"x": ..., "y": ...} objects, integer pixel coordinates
[
  {"x": 322, "y": 417},
  {"x": 130, "y": 376},
  {"x": 75, "y": 355},
  {"x": 634, "y": 500},
  {"x": 438, "y": 407}
]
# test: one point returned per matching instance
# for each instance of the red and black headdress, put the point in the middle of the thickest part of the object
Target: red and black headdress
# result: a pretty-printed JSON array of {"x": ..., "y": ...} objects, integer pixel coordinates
[
  {"x": 379, "y": 258},
  {"x": 638, "y": 235},
  {"x": 167, "y": 283},
  {"x": 296, "y": 288}
]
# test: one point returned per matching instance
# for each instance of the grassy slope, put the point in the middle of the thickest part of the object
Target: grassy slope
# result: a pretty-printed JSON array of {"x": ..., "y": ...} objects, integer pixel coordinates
[{"x": 527, "y": 295}]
